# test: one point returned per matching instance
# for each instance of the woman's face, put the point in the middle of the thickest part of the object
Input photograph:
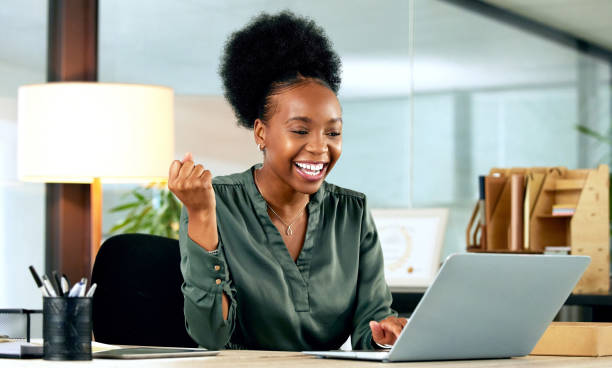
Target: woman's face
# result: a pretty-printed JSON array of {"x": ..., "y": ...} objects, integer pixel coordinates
[{"x": 302, "y": 138}]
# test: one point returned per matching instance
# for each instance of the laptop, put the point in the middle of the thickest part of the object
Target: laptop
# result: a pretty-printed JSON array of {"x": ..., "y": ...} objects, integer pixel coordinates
[{"x": 482, "y": 306}]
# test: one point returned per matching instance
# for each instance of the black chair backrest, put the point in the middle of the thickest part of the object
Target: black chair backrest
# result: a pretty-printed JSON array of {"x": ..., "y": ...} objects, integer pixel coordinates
[{"x": 138, "y": 300}]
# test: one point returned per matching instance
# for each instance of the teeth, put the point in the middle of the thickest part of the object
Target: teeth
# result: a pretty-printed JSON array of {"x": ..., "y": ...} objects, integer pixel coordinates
[{"x": 317, "y": 167}]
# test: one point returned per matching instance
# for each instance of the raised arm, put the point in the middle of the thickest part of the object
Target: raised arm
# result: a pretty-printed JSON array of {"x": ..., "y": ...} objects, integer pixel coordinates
[{"x": 210, "y": 306}]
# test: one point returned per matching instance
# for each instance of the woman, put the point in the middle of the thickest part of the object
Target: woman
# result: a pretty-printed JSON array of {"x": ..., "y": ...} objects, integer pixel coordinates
[{"x": 275, "y": 257}]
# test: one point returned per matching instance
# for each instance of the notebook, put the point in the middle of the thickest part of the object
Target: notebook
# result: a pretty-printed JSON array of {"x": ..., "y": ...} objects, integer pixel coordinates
[
  {"x": 147, "y": 352},
  {"x": 482, "y": 306},
  {"x": 20, "y": 350}
]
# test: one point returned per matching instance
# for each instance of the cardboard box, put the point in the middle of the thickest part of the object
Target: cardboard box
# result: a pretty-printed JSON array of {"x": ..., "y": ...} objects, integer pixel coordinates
[{"x": 576, "y": 339}]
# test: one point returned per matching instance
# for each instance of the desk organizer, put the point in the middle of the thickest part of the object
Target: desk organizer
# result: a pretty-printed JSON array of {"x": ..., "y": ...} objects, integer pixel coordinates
[
  {"x": 67, "y": 327},
  {"x": 529, "y": 209},
  {"x": 15, "y": 323}
]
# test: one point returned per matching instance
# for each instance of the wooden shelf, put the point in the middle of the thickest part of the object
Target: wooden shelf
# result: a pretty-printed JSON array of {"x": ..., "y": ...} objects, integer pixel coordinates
[
  {"x": 568, "y": 184},
  {"x": 586, "y": 231}
]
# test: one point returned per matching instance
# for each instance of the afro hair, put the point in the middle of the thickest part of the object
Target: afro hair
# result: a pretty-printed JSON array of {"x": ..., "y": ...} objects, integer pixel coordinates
[{"x": 273, "y": 51}]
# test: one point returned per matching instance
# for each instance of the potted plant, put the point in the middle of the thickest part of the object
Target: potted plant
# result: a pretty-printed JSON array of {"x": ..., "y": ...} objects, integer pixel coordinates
[{"x": 152, "y": 209}]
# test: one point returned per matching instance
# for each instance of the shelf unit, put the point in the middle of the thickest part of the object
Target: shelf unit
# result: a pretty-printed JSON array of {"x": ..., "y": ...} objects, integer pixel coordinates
[{"x": 586, "y": 231}]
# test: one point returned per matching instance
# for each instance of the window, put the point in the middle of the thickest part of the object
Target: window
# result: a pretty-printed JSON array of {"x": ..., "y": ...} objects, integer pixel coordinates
[
  {"x": 485, "y": 94},
  {"x": 23, "y": 27}
]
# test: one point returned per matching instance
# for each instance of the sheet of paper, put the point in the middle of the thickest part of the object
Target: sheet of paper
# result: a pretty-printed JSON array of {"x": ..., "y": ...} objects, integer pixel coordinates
[{"x": 95, "y": 346}]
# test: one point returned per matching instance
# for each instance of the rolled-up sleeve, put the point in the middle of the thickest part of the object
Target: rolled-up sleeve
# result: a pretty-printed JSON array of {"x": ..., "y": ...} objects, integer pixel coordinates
[
  {"x": 373, "y": 295},
  {"x": 206, "y": 279}
]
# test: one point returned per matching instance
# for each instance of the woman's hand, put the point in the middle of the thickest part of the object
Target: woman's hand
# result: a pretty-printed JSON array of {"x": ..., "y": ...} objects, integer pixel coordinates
[
  {"x": 192, "y": 184},
  {"x": 388, "y": 330}
]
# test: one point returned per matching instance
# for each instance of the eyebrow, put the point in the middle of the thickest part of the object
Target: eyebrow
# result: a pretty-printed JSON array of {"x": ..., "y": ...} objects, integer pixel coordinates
[{"x": 309, "y": 120}]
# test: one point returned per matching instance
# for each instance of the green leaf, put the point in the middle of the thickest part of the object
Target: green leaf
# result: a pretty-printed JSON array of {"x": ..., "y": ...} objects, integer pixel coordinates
[
  {"x": 140, "y": 197},
  {"x": 124, "y": 207},
  {"x": 593, "y": 134},
  {"x": 120, "y": 225},
  {"x": 144, "y": 212}
]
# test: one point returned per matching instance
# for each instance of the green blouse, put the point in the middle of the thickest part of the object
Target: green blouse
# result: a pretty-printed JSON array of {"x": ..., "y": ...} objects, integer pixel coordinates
[{"x": 333, "y": 290}]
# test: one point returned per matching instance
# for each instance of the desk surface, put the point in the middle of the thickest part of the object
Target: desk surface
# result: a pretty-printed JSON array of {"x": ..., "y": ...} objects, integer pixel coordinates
[{"x": 271, "y": 359}]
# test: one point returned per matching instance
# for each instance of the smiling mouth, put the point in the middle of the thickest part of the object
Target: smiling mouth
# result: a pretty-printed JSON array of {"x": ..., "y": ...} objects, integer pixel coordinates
[{"x": 312, "y": 169}]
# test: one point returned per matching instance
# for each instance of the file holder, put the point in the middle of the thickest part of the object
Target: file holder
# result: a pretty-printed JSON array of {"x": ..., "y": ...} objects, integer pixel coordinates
[
  {"x": 586, "y": 231},
  {"x": 16, "y": 323}
]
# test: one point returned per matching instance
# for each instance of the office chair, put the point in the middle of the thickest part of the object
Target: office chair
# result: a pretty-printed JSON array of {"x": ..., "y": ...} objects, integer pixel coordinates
[{"x": 138, "y": 300}]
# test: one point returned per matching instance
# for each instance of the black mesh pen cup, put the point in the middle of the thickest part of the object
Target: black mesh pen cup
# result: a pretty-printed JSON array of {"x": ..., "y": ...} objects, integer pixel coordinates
[{"x": 67, "y": 328}]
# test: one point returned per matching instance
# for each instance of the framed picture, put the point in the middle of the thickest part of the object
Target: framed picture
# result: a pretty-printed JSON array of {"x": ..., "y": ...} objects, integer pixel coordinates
[{"x": 411, "y": 241}]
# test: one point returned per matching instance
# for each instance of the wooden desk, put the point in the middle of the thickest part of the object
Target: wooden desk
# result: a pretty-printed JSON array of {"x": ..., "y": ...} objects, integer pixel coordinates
[{"x": 272, "y": 359}]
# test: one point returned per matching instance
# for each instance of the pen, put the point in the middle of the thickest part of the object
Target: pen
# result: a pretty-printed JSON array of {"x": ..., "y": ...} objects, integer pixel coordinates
[
  {"x": 91, "y": 291},
  {"x": 58, "y": 283},
  {"x": 83, "y": 287},
  {"x": 39, "y": 283},
  {"x": 75, "y": 290},
  {"x": 65, "y": 278},
  {"x": 48, "y": 286},
  {"x": 65, "y": 285}
]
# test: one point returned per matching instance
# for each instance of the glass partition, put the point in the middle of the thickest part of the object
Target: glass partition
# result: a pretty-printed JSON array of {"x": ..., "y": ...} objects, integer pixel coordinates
[
  {"x": 485, "y": 94},
  {"x": 23, "y": 25}
]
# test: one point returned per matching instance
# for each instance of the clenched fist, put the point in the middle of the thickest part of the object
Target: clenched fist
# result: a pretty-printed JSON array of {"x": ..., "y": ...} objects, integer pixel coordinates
[{"x": 192, "y": 184}]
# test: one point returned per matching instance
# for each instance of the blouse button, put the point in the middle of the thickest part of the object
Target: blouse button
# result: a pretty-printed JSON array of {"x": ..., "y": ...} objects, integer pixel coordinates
[
  {"x": 218, "y": 281},
  {"x": 217, "y": 267}
]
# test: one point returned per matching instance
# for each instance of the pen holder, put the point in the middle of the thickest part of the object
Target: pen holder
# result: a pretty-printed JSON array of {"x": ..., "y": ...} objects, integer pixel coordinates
[{"x": 67, "y": 328}]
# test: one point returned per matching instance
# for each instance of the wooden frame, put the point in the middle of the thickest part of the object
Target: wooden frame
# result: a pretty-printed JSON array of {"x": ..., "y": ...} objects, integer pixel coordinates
[{"x": 411, "y": 240}]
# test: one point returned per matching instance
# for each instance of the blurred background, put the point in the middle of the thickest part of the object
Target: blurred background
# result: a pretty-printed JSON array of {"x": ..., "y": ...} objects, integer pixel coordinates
[{"x": 434, "y": 93}]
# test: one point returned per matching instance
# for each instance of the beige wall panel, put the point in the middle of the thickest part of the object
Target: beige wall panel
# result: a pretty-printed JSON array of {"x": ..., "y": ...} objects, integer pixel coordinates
[{"x": 206, "y": 126}]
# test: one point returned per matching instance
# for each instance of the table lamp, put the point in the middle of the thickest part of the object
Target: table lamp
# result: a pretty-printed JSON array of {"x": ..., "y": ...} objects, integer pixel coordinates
[{"x": 91, "y": 132}]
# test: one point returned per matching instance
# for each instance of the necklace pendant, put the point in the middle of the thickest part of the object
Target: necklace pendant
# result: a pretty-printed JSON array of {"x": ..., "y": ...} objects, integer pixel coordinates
[{"x": 289, "y": 231}]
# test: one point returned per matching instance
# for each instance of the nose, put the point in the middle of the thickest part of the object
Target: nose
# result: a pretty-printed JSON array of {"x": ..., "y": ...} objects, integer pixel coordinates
[{"x": 317, "y": 144}]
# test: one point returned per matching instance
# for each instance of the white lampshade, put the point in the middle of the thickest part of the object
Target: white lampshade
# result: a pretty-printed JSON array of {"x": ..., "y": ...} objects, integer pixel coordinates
[{"x": 73, "y": 132}]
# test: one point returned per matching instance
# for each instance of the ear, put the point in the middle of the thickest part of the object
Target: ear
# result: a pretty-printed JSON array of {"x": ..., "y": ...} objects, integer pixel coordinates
[{"x": 259, "y": 132}]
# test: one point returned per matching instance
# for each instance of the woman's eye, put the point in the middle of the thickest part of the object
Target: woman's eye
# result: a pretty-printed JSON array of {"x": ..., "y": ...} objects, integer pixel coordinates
[
  {"x": 300, "y": 132},
  {"x": 334, "y": 134}
]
